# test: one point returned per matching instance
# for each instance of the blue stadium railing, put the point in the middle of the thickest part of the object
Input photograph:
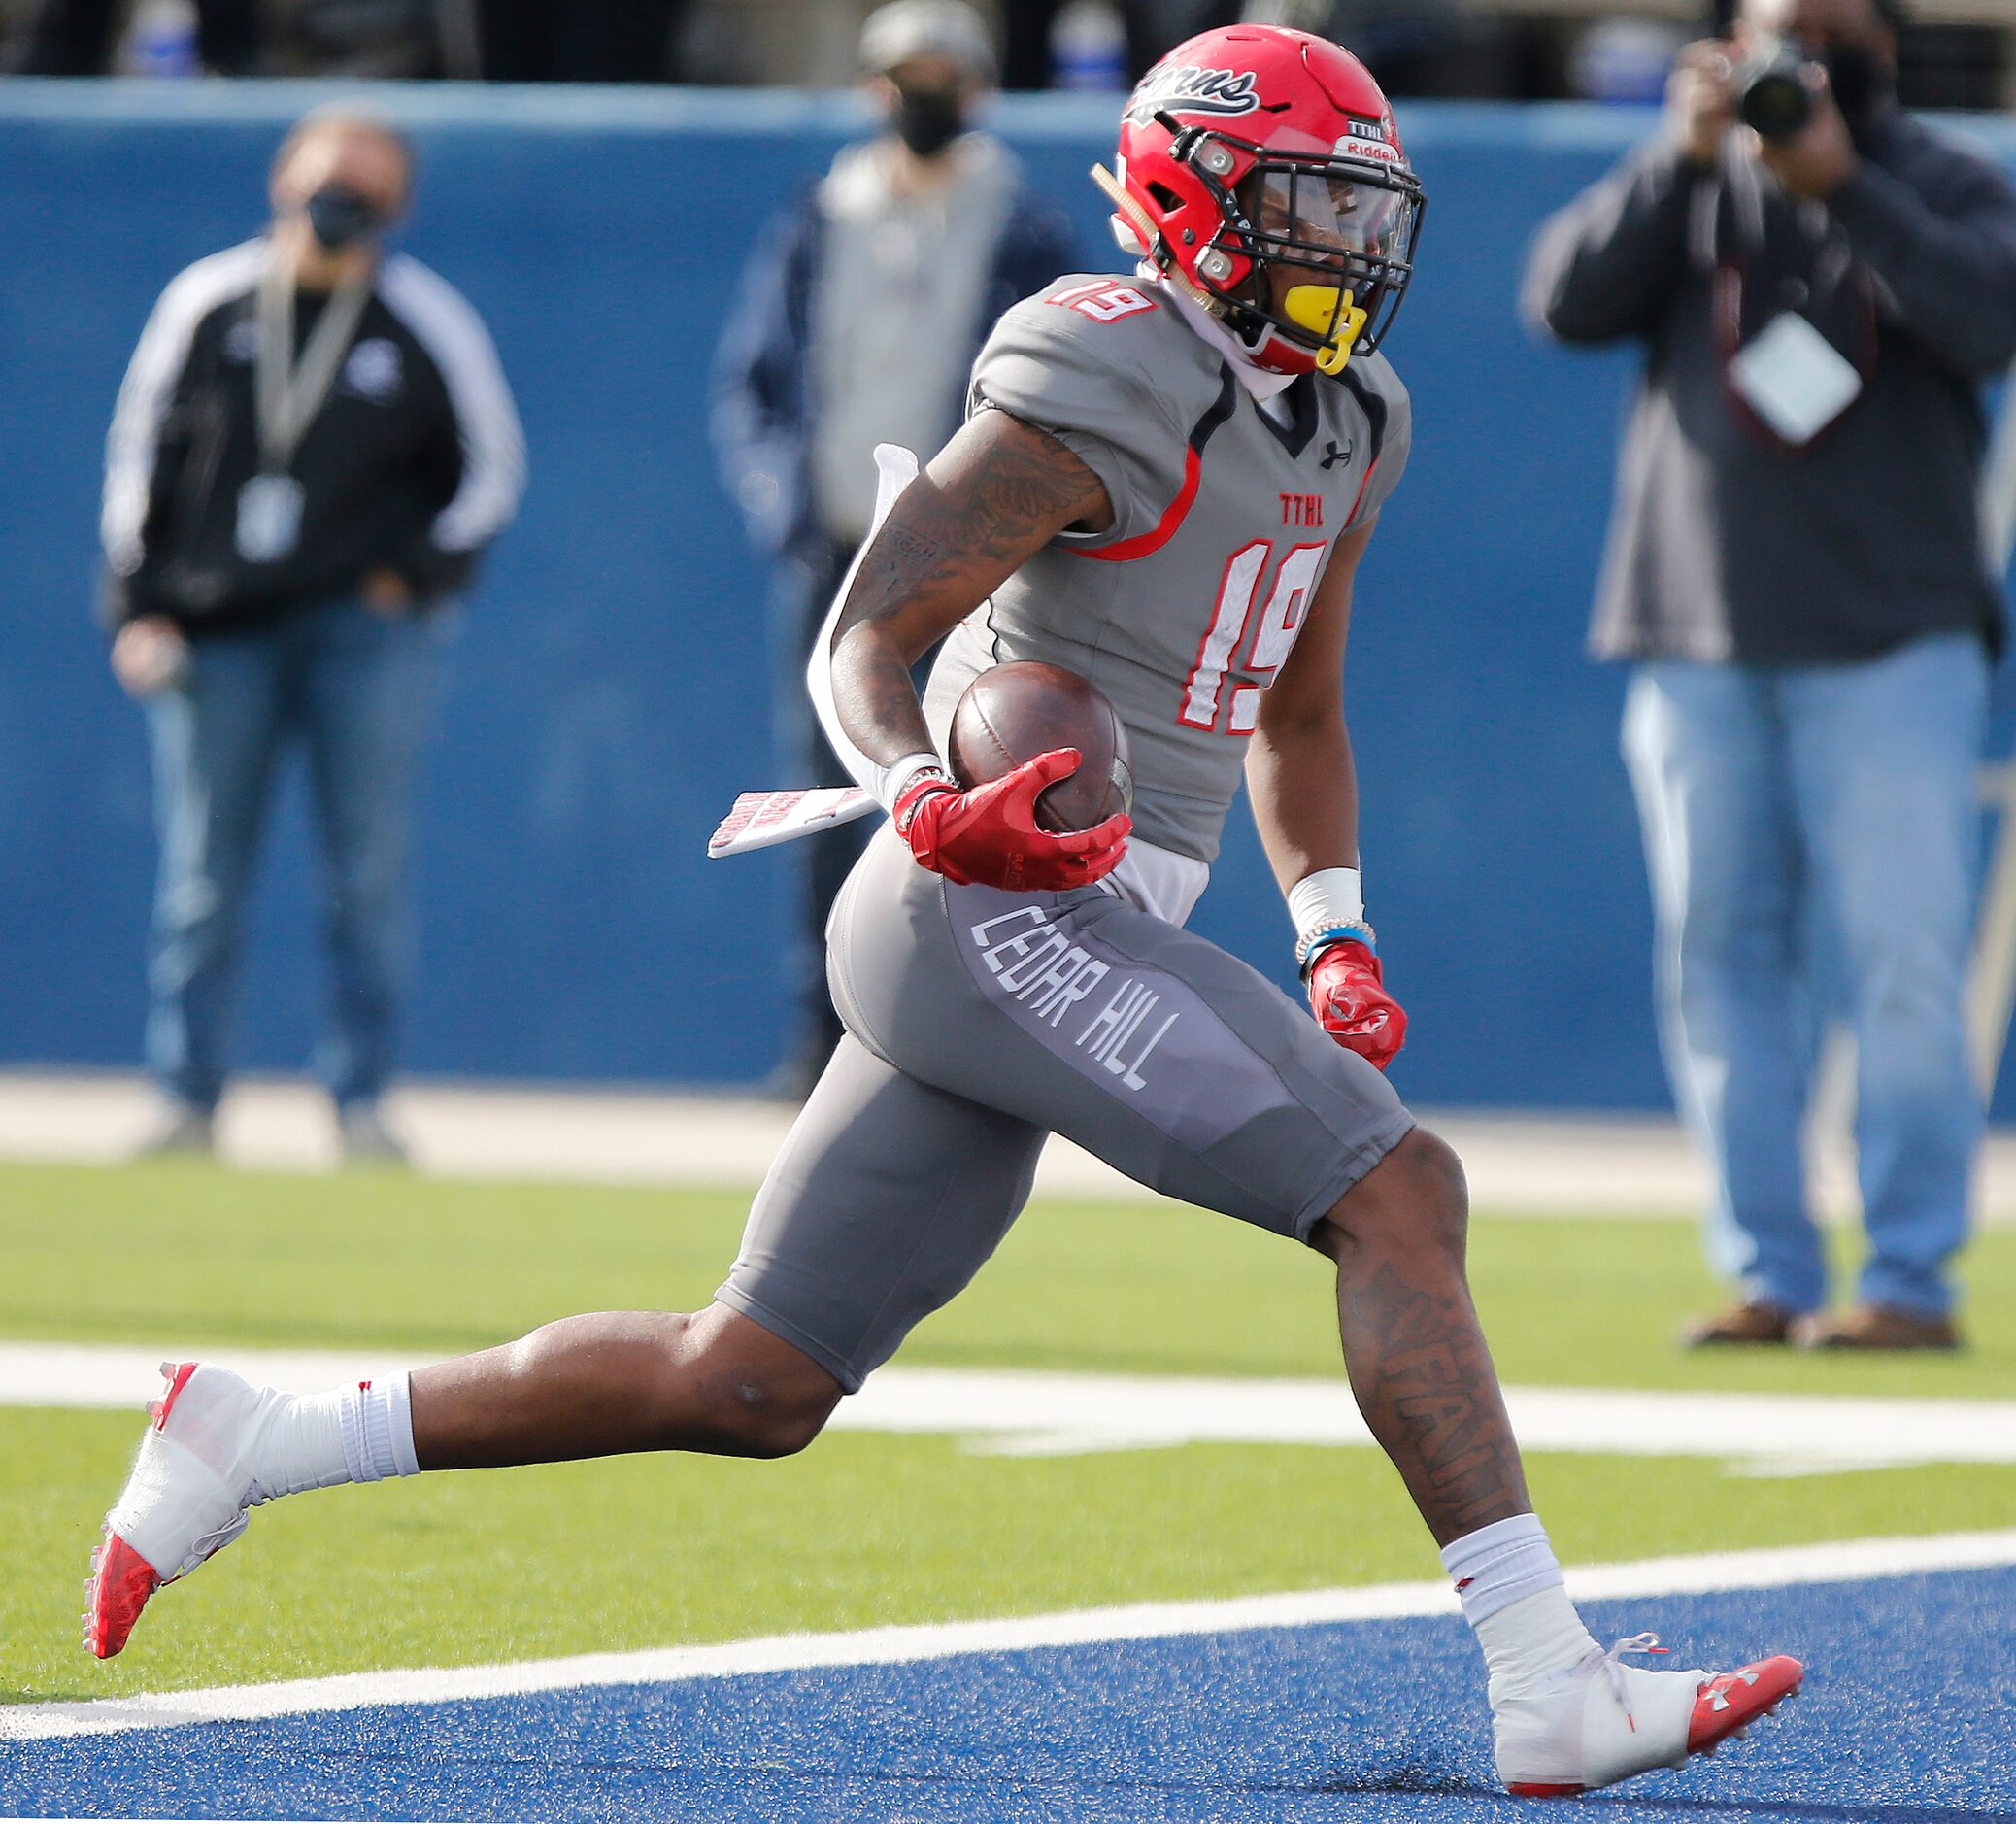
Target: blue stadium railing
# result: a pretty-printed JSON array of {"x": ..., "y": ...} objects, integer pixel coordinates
[{"x": 608, "y": 691}]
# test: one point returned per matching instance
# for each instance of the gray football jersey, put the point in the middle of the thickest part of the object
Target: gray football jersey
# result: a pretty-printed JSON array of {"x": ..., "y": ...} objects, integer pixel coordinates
[{"x": 1185, "y": 609}]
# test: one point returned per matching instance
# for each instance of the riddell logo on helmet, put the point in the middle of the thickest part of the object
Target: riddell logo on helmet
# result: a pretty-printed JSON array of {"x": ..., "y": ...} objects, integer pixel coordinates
[
  {"x": 1378, "y": 150},
  {"x": 1190, "y": 89},
  {"x": 1369, "y": 139}
]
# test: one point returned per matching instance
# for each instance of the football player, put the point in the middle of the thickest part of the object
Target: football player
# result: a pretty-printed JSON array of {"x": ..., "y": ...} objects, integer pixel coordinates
[{"x": 1165, "y": 481}]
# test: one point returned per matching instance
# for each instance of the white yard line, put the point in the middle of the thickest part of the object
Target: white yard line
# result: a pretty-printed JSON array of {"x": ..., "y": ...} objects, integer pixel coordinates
[
  {"x": 1771, "y": 1569},
  {"x": 107, "y": 1378},
  {"x": 1025, "y": 1413},
  {"x": 1022, "y": 1412},
  {"x": 1518, "y": 1165}
]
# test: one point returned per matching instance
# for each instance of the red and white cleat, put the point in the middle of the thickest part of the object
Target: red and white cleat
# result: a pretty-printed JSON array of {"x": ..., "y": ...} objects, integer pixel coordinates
[
  {"x": 187, "y": 1498},
  {"x": 1605, "y": 1721}
]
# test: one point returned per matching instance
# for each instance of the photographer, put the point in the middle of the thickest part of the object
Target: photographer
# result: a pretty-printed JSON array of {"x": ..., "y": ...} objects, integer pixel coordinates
[{"x": 1822, "y": 283}]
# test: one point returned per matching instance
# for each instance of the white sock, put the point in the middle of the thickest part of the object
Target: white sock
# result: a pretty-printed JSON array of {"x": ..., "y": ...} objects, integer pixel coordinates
[
  {"x": 1516, "y": 1603},
  {"x": 362, "y": 1434}
]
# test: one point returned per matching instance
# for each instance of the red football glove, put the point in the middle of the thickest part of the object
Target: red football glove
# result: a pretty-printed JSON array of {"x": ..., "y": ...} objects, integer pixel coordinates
[
  {"x": 1351, "y": 1005},
  {"x": 990, "y": 837}
]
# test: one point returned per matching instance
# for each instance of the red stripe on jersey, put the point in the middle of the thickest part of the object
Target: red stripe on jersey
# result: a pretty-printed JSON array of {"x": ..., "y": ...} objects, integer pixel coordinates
[
  {"x": 1165, "y": 527},
  {"x": 1370, "y": 471}
]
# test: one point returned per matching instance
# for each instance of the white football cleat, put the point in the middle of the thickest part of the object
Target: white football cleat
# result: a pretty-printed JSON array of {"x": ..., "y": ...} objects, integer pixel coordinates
[
  {"x": 187, "y": 1498},
  {"x": 1604, "y": 1721}
]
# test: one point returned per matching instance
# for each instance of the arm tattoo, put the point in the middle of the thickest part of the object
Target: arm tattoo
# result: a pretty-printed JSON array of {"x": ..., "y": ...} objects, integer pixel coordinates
[
  {"x": 901, "y": 564},
  {"x": 1005, "y": 490},
  {"x": 1031, "y": 481},
  {"x": 914, "y": 546},
  {"x": 946, "y": 546}
]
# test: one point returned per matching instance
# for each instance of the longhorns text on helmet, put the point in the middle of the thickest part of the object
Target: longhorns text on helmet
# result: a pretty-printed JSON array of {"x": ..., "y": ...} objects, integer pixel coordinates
[{"x": 1251, "y": 116}]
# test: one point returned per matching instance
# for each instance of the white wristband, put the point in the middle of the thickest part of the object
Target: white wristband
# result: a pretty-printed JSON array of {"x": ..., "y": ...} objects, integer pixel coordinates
[
  {"x": 892, "y": 782},
  {"x": 1331, "y": 896},
  {"x": 1328, "y": 907}
]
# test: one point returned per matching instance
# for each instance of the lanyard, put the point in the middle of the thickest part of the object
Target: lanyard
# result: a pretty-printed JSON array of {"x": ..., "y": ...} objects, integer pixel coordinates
[{"x": 287, "y": 395}]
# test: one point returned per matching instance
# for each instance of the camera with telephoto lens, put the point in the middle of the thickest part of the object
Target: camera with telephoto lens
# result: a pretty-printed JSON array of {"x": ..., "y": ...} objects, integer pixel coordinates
[{"x": 1772, "y": 92}]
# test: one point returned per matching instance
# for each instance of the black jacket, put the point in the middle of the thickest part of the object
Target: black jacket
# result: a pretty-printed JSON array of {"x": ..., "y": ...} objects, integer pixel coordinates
[
  {"x": 1725, "y": 547},
  {"x": 414, "y": 462}
]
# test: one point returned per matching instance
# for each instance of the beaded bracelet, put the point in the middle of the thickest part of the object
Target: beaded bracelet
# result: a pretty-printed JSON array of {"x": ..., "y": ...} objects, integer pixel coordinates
[{"x": 1312, "y": 944}]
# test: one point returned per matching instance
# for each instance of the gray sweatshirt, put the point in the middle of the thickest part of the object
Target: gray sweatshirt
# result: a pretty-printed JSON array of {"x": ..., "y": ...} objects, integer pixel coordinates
[{"x": 1726, "y": 546}]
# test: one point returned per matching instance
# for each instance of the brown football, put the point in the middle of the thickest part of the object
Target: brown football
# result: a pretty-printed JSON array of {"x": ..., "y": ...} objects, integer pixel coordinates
[{"x": 1018, "y": 711}]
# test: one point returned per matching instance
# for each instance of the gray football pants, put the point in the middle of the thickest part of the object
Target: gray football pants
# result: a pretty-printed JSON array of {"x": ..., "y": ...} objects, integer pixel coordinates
[{"x": 979, "y": 1022}]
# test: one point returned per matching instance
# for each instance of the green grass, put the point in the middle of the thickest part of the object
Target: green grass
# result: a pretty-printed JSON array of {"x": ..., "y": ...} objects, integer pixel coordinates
[
  {"x": 190, "y": 1256},
  {"x": 862, "y": 1530}
]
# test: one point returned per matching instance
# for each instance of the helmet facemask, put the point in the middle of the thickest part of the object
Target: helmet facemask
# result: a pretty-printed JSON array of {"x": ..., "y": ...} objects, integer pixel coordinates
[{"x": 1340, "y": 230}]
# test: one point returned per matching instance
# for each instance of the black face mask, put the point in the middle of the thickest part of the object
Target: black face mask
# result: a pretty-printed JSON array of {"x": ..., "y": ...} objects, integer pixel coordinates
[
  {"x": 927, "y": 120},
  {"x": 340, "y": 218},
  {"x": 1864, "y": 84}
]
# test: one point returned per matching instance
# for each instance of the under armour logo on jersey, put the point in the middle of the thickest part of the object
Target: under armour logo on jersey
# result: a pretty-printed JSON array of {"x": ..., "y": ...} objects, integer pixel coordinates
[{"x": 1334, "y": 453}]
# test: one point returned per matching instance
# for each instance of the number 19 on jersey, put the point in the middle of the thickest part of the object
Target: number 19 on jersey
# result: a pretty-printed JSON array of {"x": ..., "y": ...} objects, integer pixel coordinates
[{"x": 1279, "y": 621}]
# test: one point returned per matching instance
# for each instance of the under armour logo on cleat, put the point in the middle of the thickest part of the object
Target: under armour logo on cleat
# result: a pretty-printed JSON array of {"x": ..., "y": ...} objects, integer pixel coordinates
[{"x": 1335, "y": 452}]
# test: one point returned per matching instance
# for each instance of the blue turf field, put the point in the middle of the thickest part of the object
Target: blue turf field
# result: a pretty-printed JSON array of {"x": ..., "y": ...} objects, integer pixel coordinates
[{"x": 1909, "y": 1717}]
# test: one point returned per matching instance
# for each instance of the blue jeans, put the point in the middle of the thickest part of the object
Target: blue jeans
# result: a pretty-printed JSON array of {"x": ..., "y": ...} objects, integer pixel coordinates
[
  {"x": 1839, "y": 799},
  {"x": 357, "y": 690}
]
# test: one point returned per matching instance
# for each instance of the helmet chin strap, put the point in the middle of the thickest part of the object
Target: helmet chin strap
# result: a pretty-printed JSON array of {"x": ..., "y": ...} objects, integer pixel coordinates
[
  {"x": 1147, "y": 234},
  {"x": 1325, "y": 310}
]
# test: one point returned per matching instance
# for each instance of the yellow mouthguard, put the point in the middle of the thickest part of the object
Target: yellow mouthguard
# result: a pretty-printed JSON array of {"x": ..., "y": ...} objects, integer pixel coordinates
[{"x": 1327, "y": 310}]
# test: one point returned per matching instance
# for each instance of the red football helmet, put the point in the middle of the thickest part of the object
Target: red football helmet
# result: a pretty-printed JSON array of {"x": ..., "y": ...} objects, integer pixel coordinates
[{"x": 1255, "y": 151}]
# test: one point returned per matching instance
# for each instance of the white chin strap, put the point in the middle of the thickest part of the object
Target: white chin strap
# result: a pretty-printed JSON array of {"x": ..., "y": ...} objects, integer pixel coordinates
[{"x": 1135, "y": 231}]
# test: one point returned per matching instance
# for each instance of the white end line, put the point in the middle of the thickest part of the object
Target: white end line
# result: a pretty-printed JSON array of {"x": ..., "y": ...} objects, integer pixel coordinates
[{"x": 1769, "y": 1567}]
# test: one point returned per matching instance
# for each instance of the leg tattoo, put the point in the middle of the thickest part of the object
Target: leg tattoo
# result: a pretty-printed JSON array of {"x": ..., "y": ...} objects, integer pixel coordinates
[{"x": 1425, "y": 1382}]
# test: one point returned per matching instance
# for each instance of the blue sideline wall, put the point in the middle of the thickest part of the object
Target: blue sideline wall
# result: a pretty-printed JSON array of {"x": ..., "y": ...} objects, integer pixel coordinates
[{"x": 606, "y": 692}]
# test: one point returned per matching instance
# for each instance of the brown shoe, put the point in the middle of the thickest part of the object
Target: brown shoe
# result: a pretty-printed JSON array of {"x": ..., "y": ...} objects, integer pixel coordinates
[
  {"x": 1745, "y": 1322},
  {"x": 1876, "y": 1327}
]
